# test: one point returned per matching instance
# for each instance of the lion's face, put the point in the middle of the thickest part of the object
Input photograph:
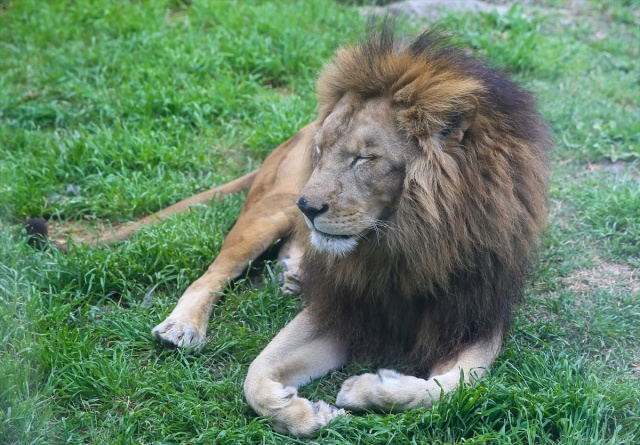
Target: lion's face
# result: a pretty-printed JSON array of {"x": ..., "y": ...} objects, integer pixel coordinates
[{"x": 359, "y": 158}]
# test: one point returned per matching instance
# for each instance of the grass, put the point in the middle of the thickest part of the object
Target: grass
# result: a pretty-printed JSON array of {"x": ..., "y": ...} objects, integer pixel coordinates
[{"x": 112, "y": 110}]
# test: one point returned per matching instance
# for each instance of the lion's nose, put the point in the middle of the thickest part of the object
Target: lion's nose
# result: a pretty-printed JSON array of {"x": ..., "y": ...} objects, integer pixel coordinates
[{"x": 310, "y": 210}]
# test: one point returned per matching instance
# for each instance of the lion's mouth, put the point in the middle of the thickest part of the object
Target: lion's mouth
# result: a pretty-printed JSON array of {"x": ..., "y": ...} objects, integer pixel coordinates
[
  {"x": 319, "y": 232},
  {"x": 330, "y": 236},
  {"x": 337, "y": 245}
]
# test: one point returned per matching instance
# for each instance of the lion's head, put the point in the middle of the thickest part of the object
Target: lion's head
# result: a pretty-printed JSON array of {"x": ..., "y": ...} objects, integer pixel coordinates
[
  {"x": 359, "y": 159},
  {"x": 426, "y": 193}
]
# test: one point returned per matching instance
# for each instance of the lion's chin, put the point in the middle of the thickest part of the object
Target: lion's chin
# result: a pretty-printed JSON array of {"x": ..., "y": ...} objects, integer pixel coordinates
[{"x": 336, "y": 245}]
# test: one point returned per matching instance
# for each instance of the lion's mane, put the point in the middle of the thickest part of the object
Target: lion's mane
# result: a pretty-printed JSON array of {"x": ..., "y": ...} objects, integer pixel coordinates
[{"x": 450, "y": 264}]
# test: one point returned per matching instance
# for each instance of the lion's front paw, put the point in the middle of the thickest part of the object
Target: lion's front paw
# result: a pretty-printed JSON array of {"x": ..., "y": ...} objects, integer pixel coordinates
[
  {"x": 176, "y": 333},
  {"x": 303, "y": 418},
  {"x": 326, "y": 411},
  {"x": 356, "y": 391},
  {"x": 368, "y": 391}
]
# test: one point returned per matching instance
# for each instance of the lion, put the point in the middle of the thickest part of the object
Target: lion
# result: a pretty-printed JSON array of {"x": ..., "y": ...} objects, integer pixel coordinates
[
  {"x": 425, "y": 192},
  {"x": 410, "y": 212}
]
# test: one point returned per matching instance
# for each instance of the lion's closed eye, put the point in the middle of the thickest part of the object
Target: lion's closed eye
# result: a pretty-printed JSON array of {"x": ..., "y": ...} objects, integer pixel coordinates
[{"x": 361, "y": 158}]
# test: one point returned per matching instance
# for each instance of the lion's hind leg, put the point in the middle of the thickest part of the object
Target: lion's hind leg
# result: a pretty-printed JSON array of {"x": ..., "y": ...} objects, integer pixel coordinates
[
  {"x": 297, "y": 355},
  {"x": 388, "y": 390}
]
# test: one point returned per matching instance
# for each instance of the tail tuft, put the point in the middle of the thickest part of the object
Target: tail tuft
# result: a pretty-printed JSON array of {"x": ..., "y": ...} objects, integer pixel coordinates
[
  {"x": 37, "y": 232},
  {"x": 38, "y": 235}
]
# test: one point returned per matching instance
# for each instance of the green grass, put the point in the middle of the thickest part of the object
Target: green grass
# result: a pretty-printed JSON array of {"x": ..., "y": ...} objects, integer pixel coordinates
[{"x": 112, "y": 110}]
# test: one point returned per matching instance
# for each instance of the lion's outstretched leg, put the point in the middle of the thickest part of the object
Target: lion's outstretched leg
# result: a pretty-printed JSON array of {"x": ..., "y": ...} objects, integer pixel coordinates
[
  {"x": 297, "y": 355},
  {"x": 186, "y": 325},
  {"x": 388, "y": 390},
  {"x": 268, "y": 214}
]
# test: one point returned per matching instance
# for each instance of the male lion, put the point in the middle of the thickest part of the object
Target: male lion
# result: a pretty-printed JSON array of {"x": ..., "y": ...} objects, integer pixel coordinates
[
  {"x": 417, "y": 198},
  {"x": 424, "y": 194}
]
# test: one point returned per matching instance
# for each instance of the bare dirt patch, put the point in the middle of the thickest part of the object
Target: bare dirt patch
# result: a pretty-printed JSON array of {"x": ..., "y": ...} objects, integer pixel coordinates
[
  {"x": 433, "y": 10},
  {"x": 605, "y": 276},
  {"x": 617, "y": 167}
]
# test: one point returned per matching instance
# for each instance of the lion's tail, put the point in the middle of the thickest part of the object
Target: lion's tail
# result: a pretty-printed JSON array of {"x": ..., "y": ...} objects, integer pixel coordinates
[{"x": 37, "y": 231}]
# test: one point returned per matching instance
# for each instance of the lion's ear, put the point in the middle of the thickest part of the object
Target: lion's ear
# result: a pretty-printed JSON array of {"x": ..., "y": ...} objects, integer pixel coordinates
[
  {"x": 426, "y": 120},
  {"x": 459, "y": 124}
]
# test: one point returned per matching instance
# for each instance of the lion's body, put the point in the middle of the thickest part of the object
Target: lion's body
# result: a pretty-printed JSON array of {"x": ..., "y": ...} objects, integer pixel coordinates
[
  {"x": 424, "y": 197},
  {"x": 423, "y": 188}
]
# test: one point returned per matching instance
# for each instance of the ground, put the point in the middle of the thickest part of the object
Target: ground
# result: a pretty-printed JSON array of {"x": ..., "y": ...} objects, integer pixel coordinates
[{"x": 112, "y": 110}]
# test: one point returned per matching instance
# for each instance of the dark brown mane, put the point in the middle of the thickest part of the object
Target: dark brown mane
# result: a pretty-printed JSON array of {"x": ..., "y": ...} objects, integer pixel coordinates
[{"x": 451, "y": 264}]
